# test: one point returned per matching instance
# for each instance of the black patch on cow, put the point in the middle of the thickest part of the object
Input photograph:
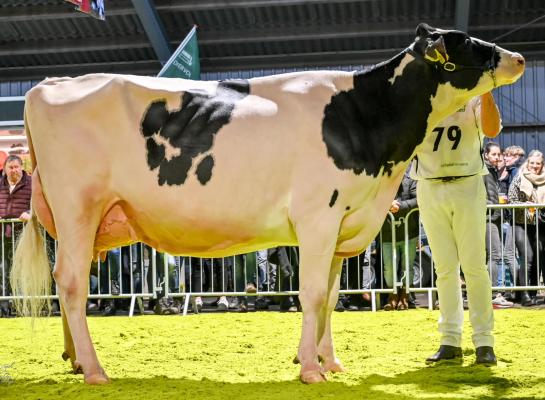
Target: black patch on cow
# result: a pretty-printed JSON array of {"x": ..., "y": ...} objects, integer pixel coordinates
[
  {"x": 156, "y": 153},
  {"x": 333, "y": 198},
  {"x": 155, "y": 117},
  {"x": 190, "y": 129},
  {"x": 377, "y": 124},
  {"x": 204, "y": 169}
]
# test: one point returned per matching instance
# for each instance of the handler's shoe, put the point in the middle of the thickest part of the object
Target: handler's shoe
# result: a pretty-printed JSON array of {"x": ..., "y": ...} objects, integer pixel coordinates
[
  {"x": 445, "y": 352},
  {"x": 485, "y": 356}
]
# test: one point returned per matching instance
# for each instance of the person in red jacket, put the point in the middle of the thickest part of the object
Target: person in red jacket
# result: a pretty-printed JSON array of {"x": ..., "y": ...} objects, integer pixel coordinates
[{"x": 15, "y": 191}]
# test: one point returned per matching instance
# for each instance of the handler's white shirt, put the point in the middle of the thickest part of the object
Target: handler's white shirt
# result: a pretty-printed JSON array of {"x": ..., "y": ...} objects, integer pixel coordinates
[{"x": 454, "y": 147}]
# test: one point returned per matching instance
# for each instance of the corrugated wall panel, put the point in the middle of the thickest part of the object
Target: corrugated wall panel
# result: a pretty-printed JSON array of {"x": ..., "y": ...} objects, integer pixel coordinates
[
  {"x": 529, "y": 138},
  {"x": 524, "y": 101}
]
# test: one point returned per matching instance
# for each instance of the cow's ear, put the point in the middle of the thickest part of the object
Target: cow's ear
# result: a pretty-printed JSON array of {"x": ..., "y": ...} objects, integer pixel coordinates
[
  {"x": 436, "y": 51},
  {"x": 424, "y": 30}
]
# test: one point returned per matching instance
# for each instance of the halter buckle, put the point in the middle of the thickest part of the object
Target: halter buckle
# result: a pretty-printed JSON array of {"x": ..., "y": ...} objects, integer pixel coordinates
[{"x": 448, "y": 66}]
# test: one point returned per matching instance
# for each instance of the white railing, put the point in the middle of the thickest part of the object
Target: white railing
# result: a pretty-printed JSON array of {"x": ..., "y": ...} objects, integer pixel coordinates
[{"x": 136, "y": 272}]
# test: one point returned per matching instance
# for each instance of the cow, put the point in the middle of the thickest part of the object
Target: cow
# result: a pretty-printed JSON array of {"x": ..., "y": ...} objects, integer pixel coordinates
[{"x": 212, "y": 169}]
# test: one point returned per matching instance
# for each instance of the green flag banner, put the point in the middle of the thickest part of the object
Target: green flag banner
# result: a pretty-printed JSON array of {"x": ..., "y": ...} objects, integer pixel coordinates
[{"x": 184, "y": 63}]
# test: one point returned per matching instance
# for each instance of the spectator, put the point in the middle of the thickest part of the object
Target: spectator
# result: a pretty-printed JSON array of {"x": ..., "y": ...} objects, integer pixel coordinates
[
  {"x": 244, "y": 267},
  {"x": 209, "y": 275},
  {"x": 109, "y": 278},
  {"x": 265, "y": 279},
  {"x": 357, "y": 273},
  {"x": 279, "y": 261},
  {"x": 115, "y": 272},
  {"x": 15, "y": 191},
  {"x": 529, "y": 187},
  {"x": 494, "y": 245},
  {"x": 404, "y": 202},
  {"x": 513, "y": 157},
  {"x": 167, "y": 270}
]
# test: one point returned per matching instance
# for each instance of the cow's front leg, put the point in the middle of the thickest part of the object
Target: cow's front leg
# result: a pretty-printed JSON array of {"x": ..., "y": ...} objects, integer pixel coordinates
[
  {"x": 313, "y": 294},
  {"x": 326, "y": 349}
]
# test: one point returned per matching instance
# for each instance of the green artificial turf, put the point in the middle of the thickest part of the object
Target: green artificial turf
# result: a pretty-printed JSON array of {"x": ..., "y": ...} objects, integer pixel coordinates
[{"x": 248, "y": 356}]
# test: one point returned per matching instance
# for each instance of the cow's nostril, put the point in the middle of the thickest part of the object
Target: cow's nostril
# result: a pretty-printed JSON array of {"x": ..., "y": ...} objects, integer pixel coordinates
[{"x": 519, "y": 59}]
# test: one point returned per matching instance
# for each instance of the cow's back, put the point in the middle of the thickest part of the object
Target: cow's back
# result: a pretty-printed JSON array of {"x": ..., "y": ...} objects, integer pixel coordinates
[{"x": 260, "y": 156}]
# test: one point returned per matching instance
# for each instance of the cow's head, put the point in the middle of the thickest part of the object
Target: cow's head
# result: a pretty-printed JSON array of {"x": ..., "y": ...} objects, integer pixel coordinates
[{"x": 468, "y": 64}]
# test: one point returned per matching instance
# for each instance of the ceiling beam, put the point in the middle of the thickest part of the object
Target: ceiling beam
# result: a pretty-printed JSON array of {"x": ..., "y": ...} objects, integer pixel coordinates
[
  {"x": 154, "y": 28},
  {"x": 146, "y": 67},
  {"x": 364, "y": 57},
  {"x": 235, "y": 37},
  {"x": 196, "y": 5},
  {"x": 75, "y": 45}
]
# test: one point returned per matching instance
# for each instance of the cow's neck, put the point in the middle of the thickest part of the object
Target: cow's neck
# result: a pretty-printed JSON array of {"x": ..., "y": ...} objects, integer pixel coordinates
[{"x": 379, "y": 122}]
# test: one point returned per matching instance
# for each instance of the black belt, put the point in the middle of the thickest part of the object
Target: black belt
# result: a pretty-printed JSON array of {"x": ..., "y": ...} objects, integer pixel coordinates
[{"x": 450, "y": 178}]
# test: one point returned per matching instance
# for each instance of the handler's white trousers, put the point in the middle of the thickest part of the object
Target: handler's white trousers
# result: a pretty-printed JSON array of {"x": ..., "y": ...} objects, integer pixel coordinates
[{"x": 454, "y": 218}]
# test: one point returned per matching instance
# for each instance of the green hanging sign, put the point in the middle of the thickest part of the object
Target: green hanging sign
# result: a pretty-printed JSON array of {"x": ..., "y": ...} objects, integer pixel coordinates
[{"x": 184, "y": 63}]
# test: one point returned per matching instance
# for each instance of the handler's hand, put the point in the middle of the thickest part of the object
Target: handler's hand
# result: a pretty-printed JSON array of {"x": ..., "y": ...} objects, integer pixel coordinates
[
  {"x": 24, "y": 216},
  {"x": 395, "y": 206}
]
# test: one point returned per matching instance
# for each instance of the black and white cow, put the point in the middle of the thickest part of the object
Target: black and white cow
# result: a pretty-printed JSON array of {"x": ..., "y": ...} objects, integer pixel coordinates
[{"x": 211, "y": 169}]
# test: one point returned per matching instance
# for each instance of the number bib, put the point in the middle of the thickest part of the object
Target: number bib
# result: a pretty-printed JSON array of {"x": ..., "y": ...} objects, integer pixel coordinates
[{"x": 453, "y": 148}]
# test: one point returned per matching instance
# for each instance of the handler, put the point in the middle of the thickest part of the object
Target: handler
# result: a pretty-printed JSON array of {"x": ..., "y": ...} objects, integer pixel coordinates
[{"x": 452, "y": 201}]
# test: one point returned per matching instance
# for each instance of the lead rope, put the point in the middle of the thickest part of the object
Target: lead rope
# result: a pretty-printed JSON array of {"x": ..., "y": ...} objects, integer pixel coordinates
[{"x": 492, "y": 71}]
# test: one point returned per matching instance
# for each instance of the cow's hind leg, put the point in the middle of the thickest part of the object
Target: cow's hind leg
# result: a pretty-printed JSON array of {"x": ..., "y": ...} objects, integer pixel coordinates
[
  {"x": 69, "y": 349},
  {"x": 326, "y": 349},
  {"x": 314, "y": 278},
  {"x": 71, "y": 273}
]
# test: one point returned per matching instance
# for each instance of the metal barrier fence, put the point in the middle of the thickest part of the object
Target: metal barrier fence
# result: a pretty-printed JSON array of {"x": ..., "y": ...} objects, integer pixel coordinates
[{"x": 515, "y": 253}]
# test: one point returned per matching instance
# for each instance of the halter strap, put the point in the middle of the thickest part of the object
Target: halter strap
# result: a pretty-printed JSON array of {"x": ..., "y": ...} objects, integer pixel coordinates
[{"x": 452, "y": 67}]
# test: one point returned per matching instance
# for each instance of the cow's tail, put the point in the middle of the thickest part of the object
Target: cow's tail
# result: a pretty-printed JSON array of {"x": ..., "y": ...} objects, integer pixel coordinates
[{"x": 30, "y": 273}]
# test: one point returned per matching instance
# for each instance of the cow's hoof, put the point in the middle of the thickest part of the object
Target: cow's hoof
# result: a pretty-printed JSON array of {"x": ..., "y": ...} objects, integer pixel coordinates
[
  {"x": 333, "y": 366},
  {"x": 76, "y": 366},
  {"x": 96, "y": 378},
  {"x": 313, "y": 376}
]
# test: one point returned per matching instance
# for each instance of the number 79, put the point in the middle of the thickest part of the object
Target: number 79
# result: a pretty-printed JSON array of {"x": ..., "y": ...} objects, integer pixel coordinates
[{"x": 454, "y": 134}]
